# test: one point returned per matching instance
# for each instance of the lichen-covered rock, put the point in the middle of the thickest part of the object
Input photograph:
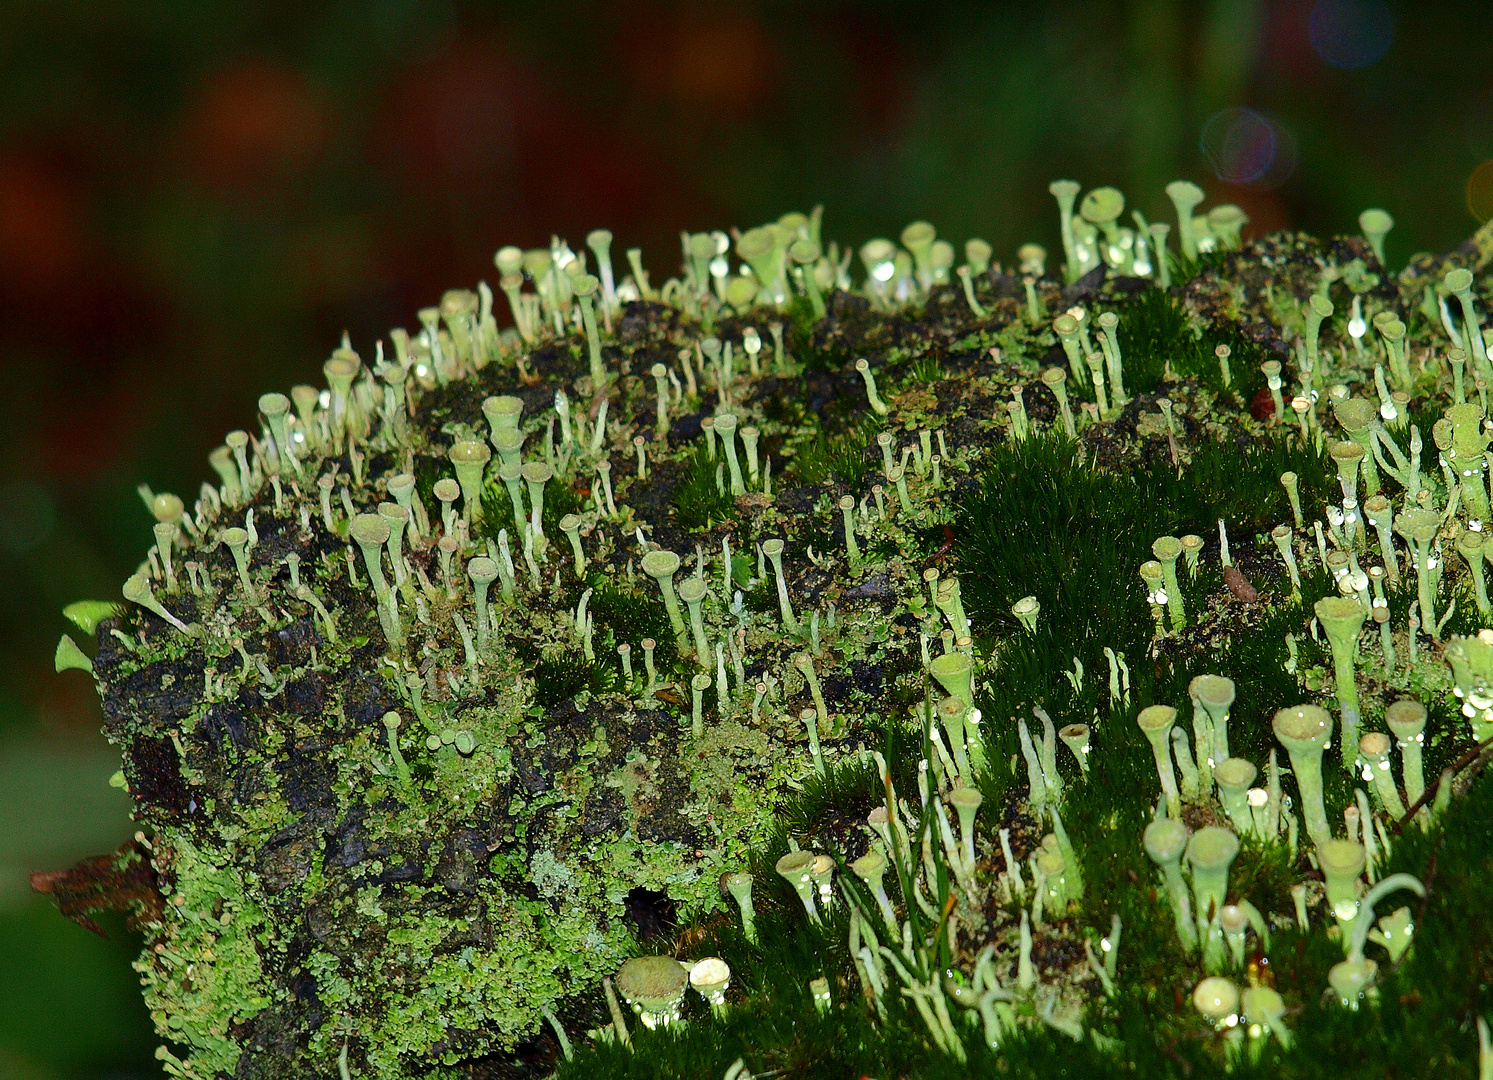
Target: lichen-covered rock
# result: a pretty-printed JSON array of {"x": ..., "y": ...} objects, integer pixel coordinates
[{"x": 412, "y": 776}]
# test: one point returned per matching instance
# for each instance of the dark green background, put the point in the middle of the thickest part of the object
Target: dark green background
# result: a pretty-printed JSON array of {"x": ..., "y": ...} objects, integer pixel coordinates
[{"x": 196, "y": 199}]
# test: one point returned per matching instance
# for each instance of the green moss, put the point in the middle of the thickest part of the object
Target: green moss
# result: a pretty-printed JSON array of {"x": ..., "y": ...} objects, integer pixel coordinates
[
  {"x": 699, "y": 502},
  {"x": 562, "y": 676},
  {"x": 818, "y": 456},
  {"x": 1157, "y": 334}
]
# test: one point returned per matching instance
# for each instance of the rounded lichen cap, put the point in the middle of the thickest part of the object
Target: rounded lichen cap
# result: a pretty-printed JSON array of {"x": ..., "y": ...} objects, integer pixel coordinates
[
  {"x": 702, "y": 246},
  {"x": 1232, "y": 918},
  {"x": 1102, "y": 205},
  {"x": 1262, "y": 1005},
  {"x": 1459, "y": 279},
  {"x": 869, "y": 867},
  {"x": 1212, "y": 847},
  {"x": 875, "y": 252},
  {"x": 509, "y": 442},
  {"x": 401, "y": 486},
  {"x": 370, "y": 529},
  {"x": 1347, "y": 456},
  {"x": 1214, "y": 692},
  {"x": 951, "y": 709},
  {"x": 1406, "y": 718},
  {"x": 167, "y": 508},
  {"x": 537, "y": 262},
  {"x": 941, "y": 255},
  {"x": 1355, "y": 414},
  {"x": 710, "y": 976},
  {"x": 795, "y": 866},
  {"x": 459, "y": 302},
  {"x": 920, "y": 234},
  {"x": 1302, "y": 728},
  {"x": 964, "y": 798},
  {"x": 503, "y": 411},
  {"x": 469, "y": 453},
  {"x": 1076, "y": 736},
  {"x": 1184, "y": 192},
  {"x": 1235, "y": 773},
  {"x": 1470, "y": 544},
  {"x": 1418, "y": 525},
  {"x": 341, "y": 369},
  {"x": 660, "y": 564},
  {"x": 740, "y": 291},
  {"x": 1227, "y": 218},
  {"x": 1155, "y": 722},
  {"x": 757, "y": 243},
  {"x": 1375, "y": 221},
  {"x": 653, "y": 984},
  {"x": 953, "y": 671},
  {"x": 1216, "y": 998},
  {"x": 804, "y": 252},
  {"x": 1350, "y": 978},
  {"x": 1051, "y": 863},
  {"x": 1342, "y": 861},
  {"x": 1341, "y": 616},
  {"x": 538, "y": 472},
  {"x": 1166, "y": 839}
]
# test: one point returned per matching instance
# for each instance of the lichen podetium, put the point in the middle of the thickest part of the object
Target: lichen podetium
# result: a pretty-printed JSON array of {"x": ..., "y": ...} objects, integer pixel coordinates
[{"x": 415, "y": 776}]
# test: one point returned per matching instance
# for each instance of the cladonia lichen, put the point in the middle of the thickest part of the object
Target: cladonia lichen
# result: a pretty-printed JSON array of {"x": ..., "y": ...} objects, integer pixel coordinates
[{"x": 404, "y": 823}]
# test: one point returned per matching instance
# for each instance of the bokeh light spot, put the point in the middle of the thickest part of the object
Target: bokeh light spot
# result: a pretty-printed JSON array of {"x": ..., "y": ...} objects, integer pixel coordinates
[
  {"x": 1351, "y": 33},
  {"x": 1480, "y": 191},
  {"x": 1239, "y": 144},
  {"x": 1245, "y": 147},
  {"x": 27, "y": 516}
]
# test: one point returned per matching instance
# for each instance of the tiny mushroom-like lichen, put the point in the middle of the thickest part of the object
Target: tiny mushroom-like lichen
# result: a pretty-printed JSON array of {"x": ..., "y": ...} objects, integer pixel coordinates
[{"x": 398, "y": 822}]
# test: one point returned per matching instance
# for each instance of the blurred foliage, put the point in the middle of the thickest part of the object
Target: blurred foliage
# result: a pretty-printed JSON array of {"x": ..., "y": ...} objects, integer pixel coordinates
[{"x": 196, "y": 200}]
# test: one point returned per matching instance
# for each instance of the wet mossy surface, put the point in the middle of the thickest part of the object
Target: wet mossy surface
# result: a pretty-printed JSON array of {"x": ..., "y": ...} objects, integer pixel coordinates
[{"x": 310, "y": 897}]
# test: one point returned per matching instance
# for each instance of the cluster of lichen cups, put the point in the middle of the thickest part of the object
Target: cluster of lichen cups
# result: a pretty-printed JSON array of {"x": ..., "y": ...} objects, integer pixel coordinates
[
  {"x": 379, "y": 522},
  {"x": 1204, "y": 920},
  {"x": 451, "y": 566},
  {"x": 1361, "y": 440}
]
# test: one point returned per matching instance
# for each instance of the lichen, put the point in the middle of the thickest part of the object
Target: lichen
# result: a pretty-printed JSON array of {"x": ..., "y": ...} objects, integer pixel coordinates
[{"x": 405, "y": 798}]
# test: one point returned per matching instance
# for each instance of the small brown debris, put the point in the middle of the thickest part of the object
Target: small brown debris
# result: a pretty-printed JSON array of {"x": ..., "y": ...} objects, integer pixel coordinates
[
  {"x": 1239, "y": 585},
  {"x": 1262, "y": 405},
  {"x": 123, "y": 881}
]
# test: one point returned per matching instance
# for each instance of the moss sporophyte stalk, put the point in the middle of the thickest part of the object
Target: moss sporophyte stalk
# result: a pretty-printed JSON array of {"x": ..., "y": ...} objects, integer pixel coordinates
[{"x": 757, "y": 770}]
